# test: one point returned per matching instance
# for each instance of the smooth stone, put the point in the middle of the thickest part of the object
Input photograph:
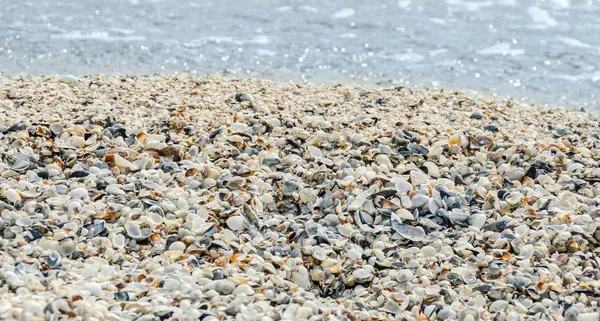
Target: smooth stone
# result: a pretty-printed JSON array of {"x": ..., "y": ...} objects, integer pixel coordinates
[{"x": 476, "y": 115}]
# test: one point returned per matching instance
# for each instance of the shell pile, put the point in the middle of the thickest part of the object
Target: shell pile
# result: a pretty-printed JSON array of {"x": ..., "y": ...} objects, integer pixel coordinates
[{"x": 178, "y": 198}]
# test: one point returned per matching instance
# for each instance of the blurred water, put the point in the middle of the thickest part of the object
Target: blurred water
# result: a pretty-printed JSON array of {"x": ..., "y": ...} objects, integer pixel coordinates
[{"x": 548, "y": 51}]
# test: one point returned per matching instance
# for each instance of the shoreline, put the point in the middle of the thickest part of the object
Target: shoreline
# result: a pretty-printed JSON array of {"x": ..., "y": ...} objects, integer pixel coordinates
[
  {"x": 291, "y": 77},
  {"x": 181, "y": 197}
]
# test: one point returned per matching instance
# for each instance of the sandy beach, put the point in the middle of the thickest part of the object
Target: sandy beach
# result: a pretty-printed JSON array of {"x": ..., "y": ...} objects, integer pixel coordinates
[{"x": 208, "y": 198}]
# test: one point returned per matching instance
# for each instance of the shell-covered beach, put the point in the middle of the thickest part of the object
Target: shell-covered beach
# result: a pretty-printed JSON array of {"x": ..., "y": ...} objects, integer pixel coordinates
[{"x": 208, "y": 198}]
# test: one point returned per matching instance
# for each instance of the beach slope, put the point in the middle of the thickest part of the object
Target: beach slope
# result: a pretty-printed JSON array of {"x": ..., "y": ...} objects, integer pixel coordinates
[{"x": 178, "y": 198}]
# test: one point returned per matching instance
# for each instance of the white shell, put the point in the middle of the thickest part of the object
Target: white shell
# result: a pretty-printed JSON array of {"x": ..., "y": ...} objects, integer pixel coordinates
[{"x": 235, "y": 223}]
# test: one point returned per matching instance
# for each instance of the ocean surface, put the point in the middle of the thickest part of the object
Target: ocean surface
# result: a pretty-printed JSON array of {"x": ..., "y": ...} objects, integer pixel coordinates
[{"x": 545, "y": 52}]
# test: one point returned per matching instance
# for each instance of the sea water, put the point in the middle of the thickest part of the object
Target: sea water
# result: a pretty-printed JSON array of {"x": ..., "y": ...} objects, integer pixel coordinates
[{"x": 545, "y": 52}]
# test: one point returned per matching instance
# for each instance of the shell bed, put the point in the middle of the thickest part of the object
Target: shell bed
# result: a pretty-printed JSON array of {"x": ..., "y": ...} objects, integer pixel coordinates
[{"x": 181, "y": 198}]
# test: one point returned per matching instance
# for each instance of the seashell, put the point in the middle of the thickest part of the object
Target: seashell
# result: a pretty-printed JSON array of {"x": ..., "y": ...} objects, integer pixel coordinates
[
  {"x": 519, "y": 282},
  {"x": 468, "y": 277},
  {"x": 468, "y": 315},
  {"x": 12, "y": 196},
  {"x": 47, "y": 244},
  {"x": 241, "y": 97},
  {"x": 317, "y": 275},
  {"x": 306, "y": 195},
  {"x": 124, "y": 163},
  {"x": 206, "y": 229},
  {"x": 498, "y": 306},
  {"x": 58, "y": 201},
  {"x": 589, "y": 316},
  {"x": 24, "y": 221},
  {"x": 409, "y": 232},
  {"x": 418, "y": 178},
  {"x": 498, "y": 226},
  {"x": 99, "y": 227},
  {"x": 67, "y": 246},
  {"x": 314, "y": 152},
  {"x": 235, "y": 223},
  {"x": 56, "y": 128},
  {"x": 346, "y": 230},
  {"x": 135, "y": 232},
  {"x": 417, "y": 149},
  {"x": 118, "y": 241},
  {"x": 456, "y": 217},
  {"x": 558, "y": 228},
  {"x": 362, "y": 274},
  {"x": 290, "y": 187},
  {"x": 156, "y": 209},
  {"x": 403, "y": 214},
  {"x": 419, "y": 200},
  {"x": 526, "y": 251},
  {"x": 428, "y": 251},
  {"x": 541, "y": 287},
  {"x": 21, "y": 164},
  {"x": 446, "y": 314},
  {"x": 79, "y": 193},
  {"x": 586, "y": 222},
  {"x": 434, "y": 204},
  {"x": 403, "y": 187},
  {"x": 482, "y": 140},
  {"x": 358, "y": 201},
  {"x": 318, "y": 253},
  {"x": 386, "y": 193},
  {"x": 477, "y": 220},
  {"x": 53, "y": 260},
  {"x": 392, "y": 307},
  {"x": 382, "y": 159},
  {"x": 561, "y": 259},
  {"x": 122, "y": 296},
  {"x": 514, "y": 198},
  {"x": 236, "y": 183},
  {"x": 34, "y": 234}
]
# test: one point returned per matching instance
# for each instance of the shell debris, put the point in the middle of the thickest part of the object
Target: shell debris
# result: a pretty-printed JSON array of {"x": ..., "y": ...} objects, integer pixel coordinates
[{"x": 187, "y": 198}]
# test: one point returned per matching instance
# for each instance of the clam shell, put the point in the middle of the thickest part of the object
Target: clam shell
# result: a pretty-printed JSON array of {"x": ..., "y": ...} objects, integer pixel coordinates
[
  {"x": 135, "y": 232},
  {"x": 413, "y": 233}
]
